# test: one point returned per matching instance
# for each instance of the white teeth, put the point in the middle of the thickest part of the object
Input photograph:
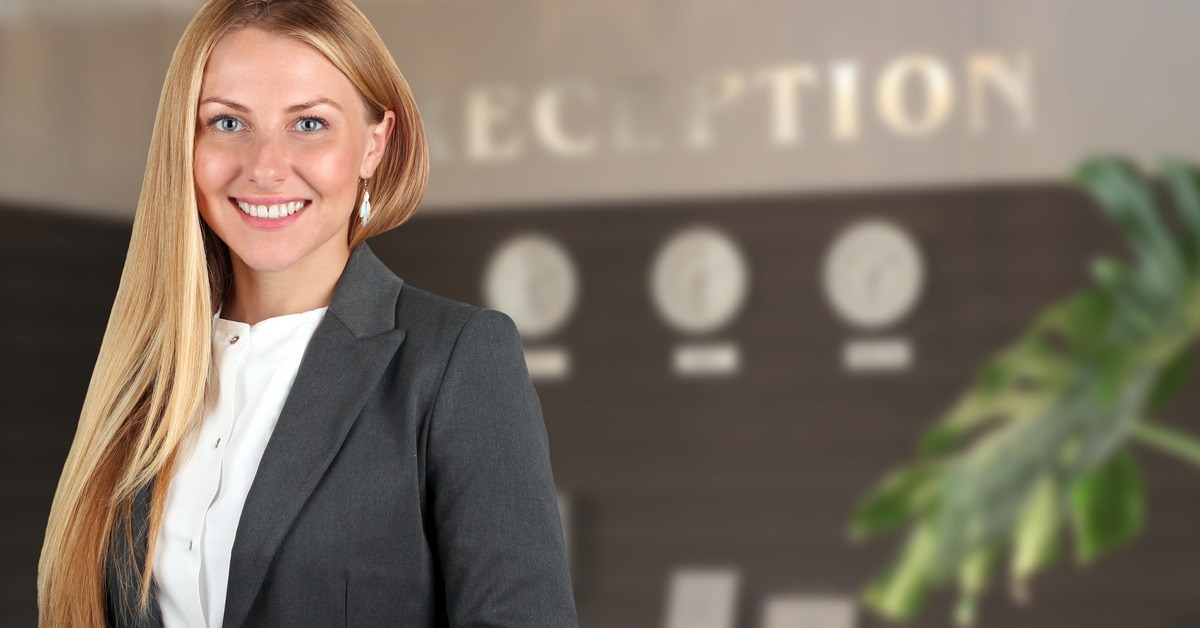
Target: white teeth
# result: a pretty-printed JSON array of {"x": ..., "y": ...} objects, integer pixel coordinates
[{"x": 271, "y": 211}]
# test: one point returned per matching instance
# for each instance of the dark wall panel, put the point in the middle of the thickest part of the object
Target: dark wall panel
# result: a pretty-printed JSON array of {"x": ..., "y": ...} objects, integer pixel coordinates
[{"x": 760, "y": 471}]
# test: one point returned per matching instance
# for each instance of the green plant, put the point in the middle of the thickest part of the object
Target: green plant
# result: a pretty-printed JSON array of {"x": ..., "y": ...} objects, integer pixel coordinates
[{"x": 1041, "y": 439}]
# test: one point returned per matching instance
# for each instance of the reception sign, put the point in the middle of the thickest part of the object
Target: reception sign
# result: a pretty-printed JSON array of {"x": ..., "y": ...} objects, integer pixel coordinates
[{"x": 539, "y": 102}]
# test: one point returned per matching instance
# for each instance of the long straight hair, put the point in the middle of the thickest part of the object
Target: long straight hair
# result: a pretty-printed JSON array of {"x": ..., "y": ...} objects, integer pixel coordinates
[{"x": 146, "y": 390}]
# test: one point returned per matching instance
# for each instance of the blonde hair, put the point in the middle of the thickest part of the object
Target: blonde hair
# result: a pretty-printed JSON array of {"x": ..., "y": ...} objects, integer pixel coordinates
[{"x": 150, "y": 375}]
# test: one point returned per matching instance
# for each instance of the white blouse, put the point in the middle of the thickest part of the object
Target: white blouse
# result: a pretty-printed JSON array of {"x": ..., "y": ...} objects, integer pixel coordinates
[{"x": 255, "y": 366}]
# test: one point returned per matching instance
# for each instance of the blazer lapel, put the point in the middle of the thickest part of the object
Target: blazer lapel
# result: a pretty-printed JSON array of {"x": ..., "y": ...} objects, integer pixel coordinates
[{"x": 343, "y": 362}]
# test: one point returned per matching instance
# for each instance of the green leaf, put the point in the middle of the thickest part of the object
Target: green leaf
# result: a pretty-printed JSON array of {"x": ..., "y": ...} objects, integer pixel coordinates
[
  {"x": 1111, "y": 368},
  {"x": 1170, "y": 380},
  {"x": 1121, "y": 191},
  {"x": 965, "y": 610},
  {"x": 900, "y": 590},
  {"x": 900, "y": 495},
  {"x": 1169, "y": 440},
  {"x": 1035, "y": 535},
  {"x": 1020, "y": 381},
  {"x": 1107, "y": 507},
  {"x": 1081, "y": 318},
  {"x": 1109, "y": 272},
  {"x": 1183, "y": 180},
  {"x": 973, "y": 577}
]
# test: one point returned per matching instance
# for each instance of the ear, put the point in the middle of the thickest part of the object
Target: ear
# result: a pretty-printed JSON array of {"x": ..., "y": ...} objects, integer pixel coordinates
[{"x": 378, "y": 140}]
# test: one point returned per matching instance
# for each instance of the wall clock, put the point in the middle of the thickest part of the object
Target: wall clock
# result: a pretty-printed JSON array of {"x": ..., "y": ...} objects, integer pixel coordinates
[
  {"x": 699, "y": 280},
  {"x": 532, "y": 279},
  {"x": 873, "y": 274}
]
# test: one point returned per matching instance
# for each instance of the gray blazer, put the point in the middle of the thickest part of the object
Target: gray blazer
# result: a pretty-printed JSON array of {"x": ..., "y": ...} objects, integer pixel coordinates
[{"x": 407, "y": 482}]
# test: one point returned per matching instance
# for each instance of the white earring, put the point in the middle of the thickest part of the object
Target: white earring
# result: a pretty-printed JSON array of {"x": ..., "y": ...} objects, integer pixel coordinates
[{"x": 364, "y": 210}]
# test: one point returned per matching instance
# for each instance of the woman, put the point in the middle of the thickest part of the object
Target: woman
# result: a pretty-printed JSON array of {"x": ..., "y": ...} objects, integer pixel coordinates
[{"x": 279, "y": 431}]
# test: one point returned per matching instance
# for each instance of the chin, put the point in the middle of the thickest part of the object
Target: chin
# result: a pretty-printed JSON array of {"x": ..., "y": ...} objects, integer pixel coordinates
[{"x": 267, "y": 257}]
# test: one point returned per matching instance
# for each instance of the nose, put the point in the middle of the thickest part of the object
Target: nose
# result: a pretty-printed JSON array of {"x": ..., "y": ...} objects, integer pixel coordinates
[{"x": 267, "y": 163}]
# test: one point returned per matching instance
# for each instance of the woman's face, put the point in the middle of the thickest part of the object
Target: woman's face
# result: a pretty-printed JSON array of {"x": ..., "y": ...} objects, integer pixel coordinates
[{"x": 278, "y": 124}]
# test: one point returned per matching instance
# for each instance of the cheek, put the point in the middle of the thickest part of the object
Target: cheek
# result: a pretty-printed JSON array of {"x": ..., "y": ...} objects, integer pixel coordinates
[
  {"x": 330, "y": 171},
  {"x": 213, "y": 170}
]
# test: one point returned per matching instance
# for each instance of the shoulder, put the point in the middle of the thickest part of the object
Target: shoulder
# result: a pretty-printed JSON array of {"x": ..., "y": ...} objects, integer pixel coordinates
[
  {"x": 458, "y": 351},
  {"x": 440, "y": 323}
]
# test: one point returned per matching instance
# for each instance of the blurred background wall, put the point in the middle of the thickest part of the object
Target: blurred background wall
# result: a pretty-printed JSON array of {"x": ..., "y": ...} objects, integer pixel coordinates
[{"x": 663, "y": 196}]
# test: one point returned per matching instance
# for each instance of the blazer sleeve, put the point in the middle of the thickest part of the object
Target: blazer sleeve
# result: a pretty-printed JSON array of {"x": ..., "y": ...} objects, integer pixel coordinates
[{"x": 492, "y": 494}]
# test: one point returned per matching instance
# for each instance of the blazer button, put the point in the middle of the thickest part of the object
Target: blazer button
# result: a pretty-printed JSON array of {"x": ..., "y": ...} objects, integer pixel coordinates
[
  {"x": 234, "y": 339},
  {"x": 189, "y": 545}
]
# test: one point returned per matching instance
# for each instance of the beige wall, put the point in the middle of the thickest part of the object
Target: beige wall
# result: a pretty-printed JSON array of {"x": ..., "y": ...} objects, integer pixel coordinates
[{"x": 533, "y": 102}]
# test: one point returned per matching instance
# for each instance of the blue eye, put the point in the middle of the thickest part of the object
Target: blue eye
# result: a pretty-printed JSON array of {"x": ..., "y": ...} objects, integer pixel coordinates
[
  {"x": 217, "y": 119},
  {"x": 320, "y": 121}
]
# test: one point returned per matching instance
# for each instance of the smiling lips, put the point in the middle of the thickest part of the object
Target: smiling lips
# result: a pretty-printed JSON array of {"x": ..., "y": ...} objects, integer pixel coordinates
[{"x": 270, "y": 208}]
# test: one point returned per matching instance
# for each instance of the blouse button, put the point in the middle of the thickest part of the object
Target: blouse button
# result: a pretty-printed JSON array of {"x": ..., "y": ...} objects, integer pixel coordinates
[
  {"x": 234, "y": 339},
  {"x": 189, "y": 545}
]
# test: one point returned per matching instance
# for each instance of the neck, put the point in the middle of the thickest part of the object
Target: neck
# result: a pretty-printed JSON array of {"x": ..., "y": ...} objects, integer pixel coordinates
[{"x": 257, "y": 295}]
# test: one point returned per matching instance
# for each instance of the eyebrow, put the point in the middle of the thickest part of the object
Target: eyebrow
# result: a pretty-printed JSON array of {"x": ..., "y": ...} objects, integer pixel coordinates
[{"x": 296, "y": 107}]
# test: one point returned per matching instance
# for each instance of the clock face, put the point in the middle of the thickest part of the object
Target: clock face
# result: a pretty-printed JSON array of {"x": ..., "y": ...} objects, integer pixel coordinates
[
  {"x": 873, "y": 274},
  {"x": 532, "y": 279},
  {"x": 699, "y": 280}
]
